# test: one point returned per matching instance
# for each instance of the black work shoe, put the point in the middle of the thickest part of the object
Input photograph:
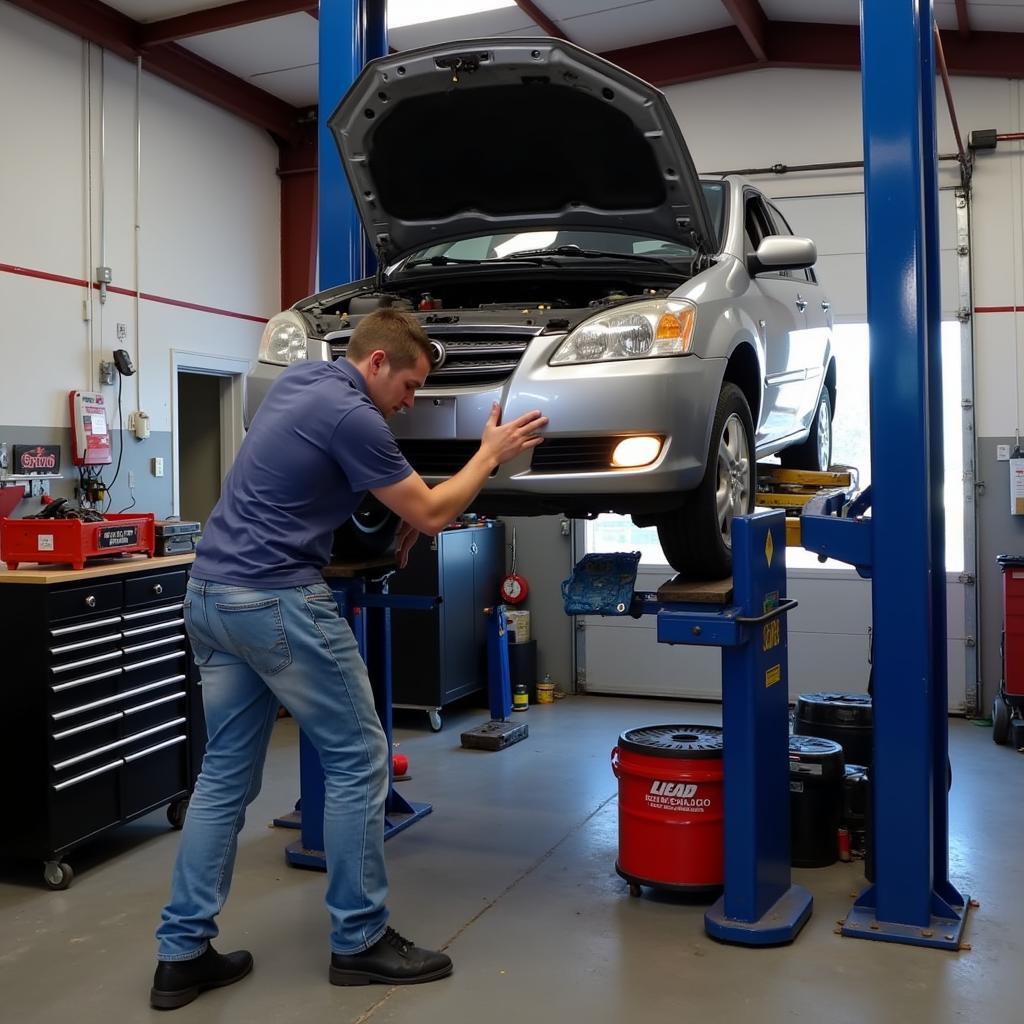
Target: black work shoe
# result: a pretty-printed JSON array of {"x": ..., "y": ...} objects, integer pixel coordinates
[
  {"x": 391, "y": 960},
  {"x": 178, "y": 982}
]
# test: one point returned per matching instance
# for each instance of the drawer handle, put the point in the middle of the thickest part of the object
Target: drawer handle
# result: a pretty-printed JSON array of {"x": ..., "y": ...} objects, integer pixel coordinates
[
  {"x": 89, "y": 775},
  {"x": 60, "y": 688},
  {"x": 158, "y": 588},
  {"x": 90, "y": 601},
  {"x": 87, "y": 726},
  {"x": 80, "y": 645},
  {"x": 128, "y": 617},
  {"x": 154, "y": 661},
  {"x": 86, "y": 661},
  {"x": 95, "y": 624},
  {"x": 153, "y": 750},
  {"x": 153, "y": 703},
  {"x": 154, "y": 628},
  {"x": 149, "y": 645}
]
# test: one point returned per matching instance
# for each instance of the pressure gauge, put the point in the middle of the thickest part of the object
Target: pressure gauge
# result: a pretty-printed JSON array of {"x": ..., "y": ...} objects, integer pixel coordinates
[{"x": 514, "y": 589}]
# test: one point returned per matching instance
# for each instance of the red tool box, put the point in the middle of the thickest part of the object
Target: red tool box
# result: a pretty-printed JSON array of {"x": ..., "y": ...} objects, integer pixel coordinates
[{"x": 70, "y": 541}]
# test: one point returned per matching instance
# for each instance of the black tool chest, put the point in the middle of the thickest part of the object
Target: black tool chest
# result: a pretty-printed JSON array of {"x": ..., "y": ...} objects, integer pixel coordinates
[{"x": 101, "y": 715}]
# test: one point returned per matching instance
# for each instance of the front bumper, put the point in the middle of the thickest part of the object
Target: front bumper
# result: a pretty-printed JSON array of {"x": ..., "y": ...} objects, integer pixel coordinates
[{"x": 673, "y": 397}]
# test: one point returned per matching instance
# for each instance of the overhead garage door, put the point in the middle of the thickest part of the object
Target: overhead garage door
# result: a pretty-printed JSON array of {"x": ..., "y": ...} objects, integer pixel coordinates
[{"x": 829, "y": 634}]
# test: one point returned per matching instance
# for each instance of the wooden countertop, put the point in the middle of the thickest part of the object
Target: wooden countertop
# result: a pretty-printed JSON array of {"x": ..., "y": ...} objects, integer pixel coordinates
[{"x": 41, "y": 572}]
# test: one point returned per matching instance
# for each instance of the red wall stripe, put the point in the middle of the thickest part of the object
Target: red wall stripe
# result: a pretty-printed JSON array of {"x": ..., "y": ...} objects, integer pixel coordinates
[
  {"x": 999, "y": 309},
  {"x": 9, "y": 268}
]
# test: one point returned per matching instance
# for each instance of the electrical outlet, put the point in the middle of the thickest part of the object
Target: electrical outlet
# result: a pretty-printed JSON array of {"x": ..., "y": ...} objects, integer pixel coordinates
[
  {"x": 131, "y": 479},
  {"x": 1002, "y": 453},
  {"x": 158, "y": 466},
  {"x": 106, "y": 372},
  {"x": 122, "y": 332}
]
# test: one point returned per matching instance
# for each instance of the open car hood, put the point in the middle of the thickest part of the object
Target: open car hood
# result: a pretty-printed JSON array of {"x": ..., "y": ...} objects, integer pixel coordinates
[{"x": 488, "y": 136}]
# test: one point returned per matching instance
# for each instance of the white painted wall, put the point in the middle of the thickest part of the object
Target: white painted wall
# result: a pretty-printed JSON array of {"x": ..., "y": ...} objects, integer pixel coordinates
[{"x": 209, "y": 210}]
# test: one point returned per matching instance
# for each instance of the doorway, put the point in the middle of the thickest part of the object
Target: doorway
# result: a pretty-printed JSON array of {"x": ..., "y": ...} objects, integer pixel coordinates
[{"x": 200, "y": 397}]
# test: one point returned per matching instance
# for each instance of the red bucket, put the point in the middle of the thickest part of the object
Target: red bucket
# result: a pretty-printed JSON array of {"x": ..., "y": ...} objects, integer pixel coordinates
[{"x": 670, "y": 807}]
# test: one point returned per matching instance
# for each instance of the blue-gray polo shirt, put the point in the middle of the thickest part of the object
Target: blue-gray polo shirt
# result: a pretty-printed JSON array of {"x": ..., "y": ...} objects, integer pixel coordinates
[{"x": 314, "y": 448}]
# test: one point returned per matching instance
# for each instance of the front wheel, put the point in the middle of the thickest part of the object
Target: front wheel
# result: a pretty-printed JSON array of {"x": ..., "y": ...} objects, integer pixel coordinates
[
  {"x": 816, "y": 452},
  {"x": 368, "y": 533},
  {"x": 697, "y": 538}
]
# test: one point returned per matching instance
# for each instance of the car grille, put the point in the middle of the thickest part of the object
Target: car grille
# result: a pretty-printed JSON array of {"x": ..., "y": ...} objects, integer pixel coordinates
[
  {"x": 484, "y": 356},
  {"x": 437, "y": 458}
]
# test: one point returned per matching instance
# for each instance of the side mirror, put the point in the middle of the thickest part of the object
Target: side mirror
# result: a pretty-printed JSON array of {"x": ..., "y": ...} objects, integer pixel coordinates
[{"x": 783, "y": 252}]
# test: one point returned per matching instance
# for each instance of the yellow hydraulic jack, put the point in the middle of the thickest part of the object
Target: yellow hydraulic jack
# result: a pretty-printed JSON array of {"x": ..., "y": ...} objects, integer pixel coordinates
[{"x": 793, "y": 489}]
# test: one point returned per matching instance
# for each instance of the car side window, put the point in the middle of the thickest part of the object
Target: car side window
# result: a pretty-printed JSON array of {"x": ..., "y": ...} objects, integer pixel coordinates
[{"x": 757, "y": 223}]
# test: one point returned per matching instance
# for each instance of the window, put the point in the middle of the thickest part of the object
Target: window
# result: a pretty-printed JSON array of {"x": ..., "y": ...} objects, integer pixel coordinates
[{"x": 851, "y": 447}]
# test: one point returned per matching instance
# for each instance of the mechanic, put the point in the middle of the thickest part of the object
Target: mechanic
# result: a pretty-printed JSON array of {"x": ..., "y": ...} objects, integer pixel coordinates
[{"x": 265, "y": 629}]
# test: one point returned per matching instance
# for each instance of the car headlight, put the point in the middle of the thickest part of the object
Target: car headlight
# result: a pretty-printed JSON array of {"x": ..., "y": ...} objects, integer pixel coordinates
[
  {"x": 284, "y": 339},
  {"x": 659, "y": 327}
]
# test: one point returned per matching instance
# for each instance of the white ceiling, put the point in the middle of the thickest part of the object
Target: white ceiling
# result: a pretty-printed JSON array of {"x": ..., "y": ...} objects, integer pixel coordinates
[{"x": 280, "y": 55}]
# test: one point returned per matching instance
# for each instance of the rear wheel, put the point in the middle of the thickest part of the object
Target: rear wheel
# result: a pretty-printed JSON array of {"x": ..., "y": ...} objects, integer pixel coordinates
[
  {"x": 697, "y": 538},
  {"x": 816, "y": 452},
  {"x": 368, "y": 533},
  {"x": 1000, "y": 720}
]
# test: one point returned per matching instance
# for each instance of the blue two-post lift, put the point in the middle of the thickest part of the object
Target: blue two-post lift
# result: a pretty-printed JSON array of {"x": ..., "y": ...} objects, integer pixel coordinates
[{"x": 900, "y": 546}]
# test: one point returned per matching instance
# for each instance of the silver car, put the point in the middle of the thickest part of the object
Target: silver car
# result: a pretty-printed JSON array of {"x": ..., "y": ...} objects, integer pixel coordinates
[{"x": 538, "y": 209}]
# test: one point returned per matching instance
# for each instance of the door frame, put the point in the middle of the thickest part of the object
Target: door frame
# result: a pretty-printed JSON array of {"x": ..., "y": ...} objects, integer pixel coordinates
[{"x": 233, "y": 370}]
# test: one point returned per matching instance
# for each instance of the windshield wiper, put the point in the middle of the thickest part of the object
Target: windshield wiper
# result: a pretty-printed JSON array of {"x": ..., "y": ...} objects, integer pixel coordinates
[
  {"x": 437, "y": 261},
  {"x": 576, "y": 252}
]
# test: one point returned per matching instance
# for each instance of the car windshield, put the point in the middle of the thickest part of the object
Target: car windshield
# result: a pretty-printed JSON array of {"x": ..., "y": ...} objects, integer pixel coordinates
[{"x": 585, "y": 243}]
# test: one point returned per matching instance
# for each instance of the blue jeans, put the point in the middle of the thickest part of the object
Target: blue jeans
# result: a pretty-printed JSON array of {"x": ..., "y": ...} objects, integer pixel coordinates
[{"x": 255, "y": 649}]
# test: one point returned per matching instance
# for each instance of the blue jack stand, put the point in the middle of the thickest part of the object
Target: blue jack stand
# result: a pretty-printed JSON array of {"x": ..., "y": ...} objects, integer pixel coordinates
[
  {"x": 901, "y": 545},
  {"x": 746, "y": 617},
  {"x": 368, "y": 613},
  {"x": 500, "y": 732}
]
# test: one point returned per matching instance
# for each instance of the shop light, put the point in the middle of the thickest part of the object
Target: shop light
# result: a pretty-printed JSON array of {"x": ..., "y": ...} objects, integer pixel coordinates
[{"x": 401, "y": 13}]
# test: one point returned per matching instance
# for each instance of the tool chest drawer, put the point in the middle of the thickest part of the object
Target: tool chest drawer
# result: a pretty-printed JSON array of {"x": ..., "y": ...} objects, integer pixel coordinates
[
  {"x": 103, "y": 707},
  {"x": 77, "y": 602},
  {"x": 146, "y": 589}
]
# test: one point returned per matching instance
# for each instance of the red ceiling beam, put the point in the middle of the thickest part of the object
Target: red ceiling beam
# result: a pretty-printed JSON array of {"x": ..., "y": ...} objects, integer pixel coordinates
[
  {"x": 752, "y": 22},
  {"x": 963, "y": 23},
  {"x": 686, "y": 58},
  {"x": 532, "y": 11},
  {"x": 794, "y": 44},
  {"x": 119, "y": 34},
  {"x": 213, "y": 19}
]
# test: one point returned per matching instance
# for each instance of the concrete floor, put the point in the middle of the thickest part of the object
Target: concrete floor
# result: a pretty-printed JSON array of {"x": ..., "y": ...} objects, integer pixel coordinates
[{"x": 513, "y": 874}]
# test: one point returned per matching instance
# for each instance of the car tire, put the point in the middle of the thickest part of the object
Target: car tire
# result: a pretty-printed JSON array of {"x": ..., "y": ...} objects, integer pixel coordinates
[
  {"x": 816, "y": 452},
  {"x": 368, "y": 533},
  {"x": 697, "y": 538}
]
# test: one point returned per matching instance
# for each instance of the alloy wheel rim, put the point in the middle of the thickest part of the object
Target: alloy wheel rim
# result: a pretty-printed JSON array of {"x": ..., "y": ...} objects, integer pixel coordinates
[
  {"x": 824, "y": 436},
  {"x": 732, "y": 495}
]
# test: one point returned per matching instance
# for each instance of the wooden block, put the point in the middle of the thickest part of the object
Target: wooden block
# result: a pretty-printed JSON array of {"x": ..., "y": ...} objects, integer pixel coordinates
[{"x": 696, "y": 591}]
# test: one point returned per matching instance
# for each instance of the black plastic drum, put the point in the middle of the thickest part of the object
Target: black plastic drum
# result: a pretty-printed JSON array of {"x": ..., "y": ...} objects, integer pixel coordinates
[
  {"x": 846, "y": 718},
  {"x": 815, "y": 800}
]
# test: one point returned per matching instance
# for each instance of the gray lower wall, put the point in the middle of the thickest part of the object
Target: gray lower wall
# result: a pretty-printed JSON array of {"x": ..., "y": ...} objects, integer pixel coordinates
[
  {"x": 545, "y": 559},
  {"x": 998, "y": 533},
  {"x": 152, "y": 494}
]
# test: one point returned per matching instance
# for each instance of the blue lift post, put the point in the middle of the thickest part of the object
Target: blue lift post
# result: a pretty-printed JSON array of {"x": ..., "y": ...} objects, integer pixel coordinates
[
  {"x": 369, "y": 614},
  {"x": 760, "y": 905},
  {"x": 901, "y": 546}
]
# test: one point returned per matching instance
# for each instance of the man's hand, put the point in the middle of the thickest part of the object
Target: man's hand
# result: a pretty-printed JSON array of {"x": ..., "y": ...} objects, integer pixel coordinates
[
  {"x": 504, "y": 441},
  {"x": 405, "y": 536}
]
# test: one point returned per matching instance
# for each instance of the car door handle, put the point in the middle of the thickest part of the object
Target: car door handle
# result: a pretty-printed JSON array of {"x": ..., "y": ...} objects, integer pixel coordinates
[{"x": 801, "y": 304}]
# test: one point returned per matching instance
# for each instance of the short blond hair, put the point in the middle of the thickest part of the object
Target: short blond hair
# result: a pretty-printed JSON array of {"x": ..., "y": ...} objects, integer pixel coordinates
[{"x": 398, "y": 333}]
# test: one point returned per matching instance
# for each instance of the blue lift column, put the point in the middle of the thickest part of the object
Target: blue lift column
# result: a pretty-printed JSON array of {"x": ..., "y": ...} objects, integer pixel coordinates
[
  {"x": 352, "y": 32},
  {"x": 901, "y": 546}
]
